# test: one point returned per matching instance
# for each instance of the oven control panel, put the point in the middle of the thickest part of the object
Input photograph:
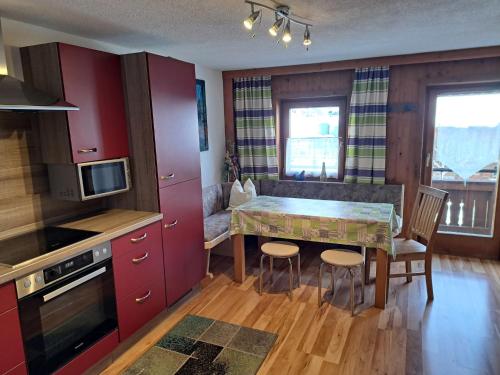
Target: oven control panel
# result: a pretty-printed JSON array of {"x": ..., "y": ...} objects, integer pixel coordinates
[{"x": 40, "y": 279}]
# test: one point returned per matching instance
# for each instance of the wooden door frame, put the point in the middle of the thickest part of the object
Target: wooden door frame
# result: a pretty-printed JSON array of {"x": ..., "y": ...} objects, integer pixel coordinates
[
  {"x": 451, "y": 243},
  {"x": 286, "y": 103}
]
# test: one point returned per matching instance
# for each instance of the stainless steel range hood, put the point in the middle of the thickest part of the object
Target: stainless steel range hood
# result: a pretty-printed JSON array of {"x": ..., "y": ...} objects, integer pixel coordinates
[{"x": 15, "y": 95}]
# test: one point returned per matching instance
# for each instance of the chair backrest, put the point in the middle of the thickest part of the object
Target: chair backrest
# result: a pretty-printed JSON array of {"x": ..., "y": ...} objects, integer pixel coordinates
[{"x": 427, "y": 212}]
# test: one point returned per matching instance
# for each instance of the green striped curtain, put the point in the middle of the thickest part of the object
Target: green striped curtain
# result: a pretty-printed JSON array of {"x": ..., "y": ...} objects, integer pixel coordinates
[
  {"x": 366, "y": 139},
  {"x": 255, "y": 129}
]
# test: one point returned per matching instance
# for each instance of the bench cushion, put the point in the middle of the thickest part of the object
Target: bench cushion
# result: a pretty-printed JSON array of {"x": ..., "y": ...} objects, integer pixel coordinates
[
  {"x": 216, "y": 225},
  {"x": 336, "y": 191}
]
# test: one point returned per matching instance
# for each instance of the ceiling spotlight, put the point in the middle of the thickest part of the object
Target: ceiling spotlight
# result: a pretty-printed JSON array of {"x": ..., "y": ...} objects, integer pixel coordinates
[
  {"x": 248, "y": 22},
  {"x": 276, "y": 27},
  {"x": 287, "y": 35},
  {"x": 283, "y": 18},
  {"x": 307, "y": 37}
]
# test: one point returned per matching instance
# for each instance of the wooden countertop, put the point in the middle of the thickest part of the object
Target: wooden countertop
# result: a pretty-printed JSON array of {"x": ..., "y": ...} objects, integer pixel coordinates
[{"x": 112, "y": 224}]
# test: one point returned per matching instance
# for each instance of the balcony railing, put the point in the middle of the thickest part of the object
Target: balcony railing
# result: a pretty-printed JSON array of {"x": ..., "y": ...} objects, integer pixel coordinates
[{"x": 471, "y": 205}]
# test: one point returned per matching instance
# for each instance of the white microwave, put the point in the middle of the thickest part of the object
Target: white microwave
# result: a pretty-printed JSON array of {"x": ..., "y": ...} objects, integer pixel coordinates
[{"x": 84, "y": 181}]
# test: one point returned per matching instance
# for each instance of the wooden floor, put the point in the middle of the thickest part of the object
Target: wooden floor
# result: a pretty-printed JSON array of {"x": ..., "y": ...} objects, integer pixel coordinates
[{"x": 458, "y": 333}]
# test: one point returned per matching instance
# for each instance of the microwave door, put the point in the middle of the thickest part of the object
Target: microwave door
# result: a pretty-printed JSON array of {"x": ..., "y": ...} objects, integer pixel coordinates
[{"x": 102, "y": 179}]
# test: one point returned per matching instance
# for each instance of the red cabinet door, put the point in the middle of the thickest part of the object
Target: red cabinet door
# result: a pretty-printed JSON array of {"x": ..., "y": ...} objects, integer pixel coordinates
[
  {"x": 183, "y": 251},
  {"x": 175, "y": 117},
  {"x": 139, "y": 307},
  {"x": 11, "y": 342},
  {"x": 92, "y": 81}
]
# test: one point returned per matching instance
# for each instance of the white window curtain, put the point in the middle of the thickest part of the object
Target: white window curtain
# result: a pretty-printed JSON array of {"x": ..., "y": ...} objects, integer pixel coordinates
[{"x": 308, "y": 154}]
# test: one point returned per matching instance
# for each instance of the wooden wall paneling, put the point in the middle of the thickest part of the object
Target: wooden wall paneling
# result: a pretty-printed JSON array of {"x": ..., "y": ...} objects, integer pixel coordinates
[
  {"x": 25, "y": 201},
  {"x": 411, "y": 77},
  {"x": 418, "y": 58}
]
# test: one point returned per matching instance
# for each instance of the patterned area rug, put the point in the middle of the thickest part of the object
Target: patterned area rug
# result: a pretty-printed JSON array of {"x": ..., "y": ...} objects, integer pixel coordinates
[{"x": 199, "y": 346}]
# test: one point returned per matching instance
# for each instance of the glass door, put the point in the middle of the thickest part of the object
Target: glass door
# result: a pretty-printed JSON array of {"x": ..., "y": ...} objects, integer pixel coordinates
[{"x": 462, "y": 156}]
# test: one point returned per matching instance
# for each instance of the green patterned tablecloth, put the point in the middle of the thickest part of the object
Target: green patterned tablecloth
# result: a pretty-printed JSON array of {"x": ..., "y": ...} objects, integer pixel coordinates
[{"x": 347, "y": 223}]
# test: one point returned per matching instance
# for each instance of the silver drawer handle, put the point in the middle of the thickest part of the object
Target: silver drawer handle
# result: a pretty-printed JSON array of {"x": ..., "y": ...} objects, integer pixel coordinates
[
  {"x": 171, "y": 225},
  {"x": 141, "y": 259},
  {"x": 87, "y": 150},
  {"x": 144, "y": 298},
  {"x": 139, "y": 239},
  {"x": 168, "y": 177}
]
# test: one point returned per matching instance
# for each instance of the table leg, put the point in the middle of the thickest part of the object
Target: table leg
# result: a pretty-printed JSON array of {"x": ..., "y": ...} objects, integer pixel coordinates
[
  {"x": 239, "y": 257},
  {"x": 381, "y": 279}
]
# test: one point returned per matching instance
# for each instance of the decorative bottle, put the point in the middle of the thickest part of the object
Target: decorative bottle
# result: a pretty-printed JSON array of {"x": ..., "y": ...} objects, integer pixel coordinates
[{"x": 322, "y": 176}]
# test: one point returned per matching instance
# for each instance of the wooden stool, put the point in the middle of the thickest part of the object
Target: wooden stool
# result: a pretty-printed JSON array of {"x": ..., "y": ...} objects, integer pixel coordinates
[
  {"x": 346, "y": 259},
  {"x": 279, "y": 249}
]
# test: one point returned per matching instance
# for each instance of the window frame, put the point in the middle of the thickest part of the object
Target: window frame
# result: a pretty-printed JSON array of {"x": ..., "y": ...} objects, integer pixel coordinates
[{"x": 333, "y": 101}]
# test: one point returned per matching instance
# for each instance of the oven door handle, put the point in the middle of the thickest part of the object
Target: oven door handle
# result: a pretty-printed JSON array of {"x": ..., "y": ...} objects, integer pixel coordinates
[{"x": 73, "y": 284}]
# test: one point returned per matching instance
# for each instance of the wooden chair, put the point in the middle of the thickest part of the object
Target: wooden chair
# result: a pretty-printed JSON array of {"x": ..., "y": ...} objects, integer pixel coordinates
[{"x": 417, "y": 243}]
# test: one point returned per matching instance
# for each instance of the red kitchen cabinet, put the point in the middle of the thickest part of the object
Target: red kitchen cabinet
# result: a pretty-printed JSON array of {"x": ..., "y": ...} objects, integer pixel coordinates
[
  {"x": 139, "y": 307},
  {"x": 160, "y": 95},
  {"x": 139, "y": 278},
  {"x": 173, "y": 102},
  {"x": 184, "y": 255},
  {"x": 91, "y": 80},
  {"x": 11, "y": 342}
]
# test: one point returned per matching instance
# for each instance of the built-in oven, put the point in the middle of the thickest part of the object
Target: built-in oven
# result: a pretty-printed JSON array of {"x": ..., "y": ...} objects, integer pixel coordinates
[
  {"x": 84, "y": 181},
  {"x": 66, "y": 308}
]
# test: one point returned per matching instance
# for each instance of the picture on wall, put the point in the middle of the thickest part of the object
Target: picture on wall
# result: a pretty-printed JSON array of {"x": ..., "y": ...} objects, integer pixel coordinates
[{"x": 201, "y": 100}]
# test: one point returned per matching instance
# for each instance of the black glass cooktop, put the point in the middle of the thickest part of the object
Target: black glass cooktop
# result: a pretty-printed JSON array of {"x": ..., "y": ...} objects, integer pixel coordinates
[{"x": 19, "y": 249}]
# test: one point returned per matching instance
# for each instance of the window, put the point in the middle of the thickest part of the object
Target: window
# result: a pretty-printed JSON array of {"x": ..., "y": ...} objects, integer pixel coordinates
[
  {"x": 465, "y": 158},
  {"x": 313, "y": 133}
]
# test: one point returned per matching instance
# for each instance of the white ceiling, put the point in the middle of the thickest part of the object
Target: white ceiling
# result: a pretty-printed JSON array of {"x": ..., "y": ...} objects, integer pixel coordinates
[{"x": 210, "y": 32}]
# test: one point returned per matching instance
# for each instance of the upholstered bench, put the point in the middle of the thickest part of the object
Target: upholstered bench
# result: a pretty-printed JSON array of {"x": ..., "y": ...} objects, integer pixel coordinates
[{"x": 217, "y": 219}]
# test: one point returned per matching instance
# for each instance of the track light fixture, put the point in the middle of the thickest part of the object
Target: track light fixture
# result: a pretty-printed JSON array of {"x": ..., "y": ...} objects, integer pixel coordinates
[
  {"x": 252, "y": 18},
  {"x": 275, "y": 28},
  {"x": 287, "y": 35},
  {"x": 283, "y": 21},
  {"x": 307, "y": 37}
]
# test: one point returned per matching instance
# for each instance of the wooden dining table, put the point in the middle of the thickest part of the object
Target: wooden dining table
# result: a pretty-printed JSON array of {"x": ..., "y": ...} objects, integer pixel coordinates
[{"x": 369, "y": 225}]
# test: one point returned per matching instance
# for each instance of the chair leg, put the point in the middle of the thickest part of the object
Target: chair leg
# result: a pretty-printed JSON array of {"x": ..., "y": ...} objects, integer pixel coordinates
[
  {"x": 362, "y": 283},
  {"x": 352, "y": 291},
  {"x": 290, "y": 276},
  {"x": 408, "y": 270},
  {"x": 428, "y": 278},
  {"x": 261, "y": 272},
  {"x": 298, "y": 270},
  {"x": 271, "y": 265},
  {"x": 209, "y": 274},
  {"x": 333, "y": 282},
  {"x": 388, "y": 280},
  {"x": 320, "y": 278},
  {"x": 367, "y": 270}
]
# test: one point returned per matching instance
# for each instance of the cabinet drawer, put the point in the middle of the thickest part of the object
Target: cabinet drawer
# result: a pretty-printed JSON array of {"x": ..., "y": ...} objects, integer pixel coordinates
[
  {"x": 137, "y": 268},
  {"x": 138, "y": 308},
  {"x": 91, "y": 356},
  {"x": 11, "y": 343},
  {"x": 8, "y": 297},
  {"x": 142, "y": 239}
]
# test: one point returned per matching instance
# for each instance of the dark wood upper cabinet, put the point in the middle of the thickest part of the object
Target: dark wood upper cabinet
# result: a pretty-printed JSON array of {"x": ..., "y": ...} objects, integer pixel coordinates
[{"x": 91, "y": 80}]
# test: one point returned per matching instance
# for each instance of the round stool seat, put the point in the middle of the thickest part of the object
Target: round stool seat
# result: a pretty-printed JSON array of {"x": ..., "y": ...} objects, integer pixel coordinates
[
  {"x": 342, "y": 258},
  {"x": 280, "y": 249}
]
